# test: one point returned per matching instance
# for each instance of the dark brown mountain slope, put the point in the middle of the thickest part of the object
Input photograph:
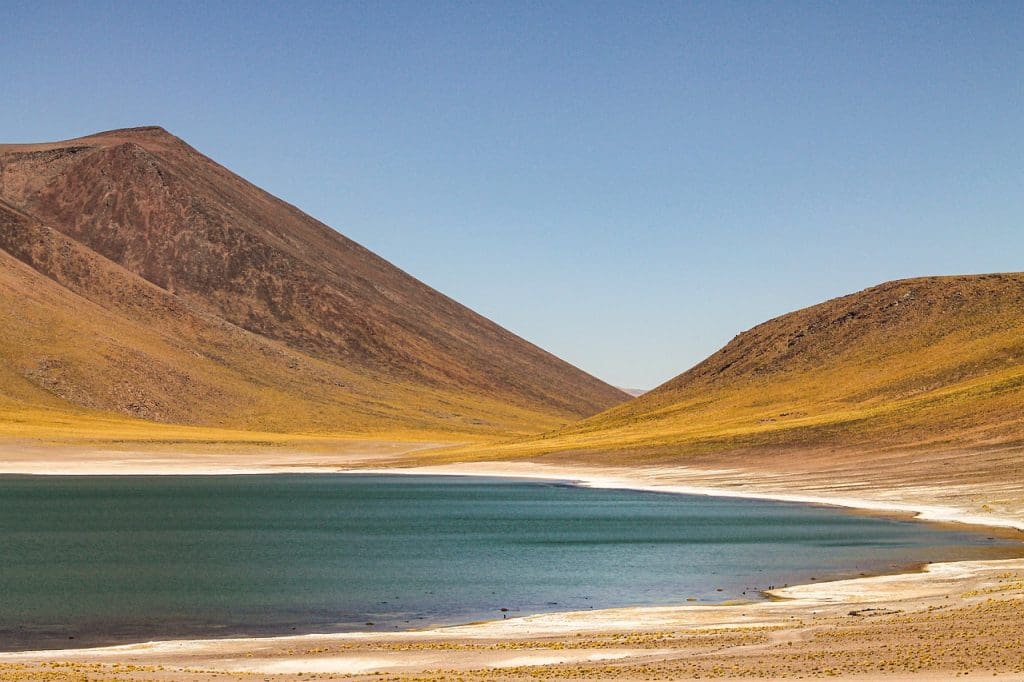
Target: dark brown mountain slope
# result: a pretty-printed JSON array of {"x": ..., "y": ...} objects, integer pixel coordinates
[{"x": 267, "y": 318}]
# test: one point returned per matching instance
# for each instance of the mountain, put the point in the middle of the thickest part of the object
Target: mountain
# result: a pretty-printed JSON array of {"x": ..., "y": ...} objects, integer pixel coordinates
[
  {"x": 140, "y": 279},
  {"x": 927, "y": 364}
]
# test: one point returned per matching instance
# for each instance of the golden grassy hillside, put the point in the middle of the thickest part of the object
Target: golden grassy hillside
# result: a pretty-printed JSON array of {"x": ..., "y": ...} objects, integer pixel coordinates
[
  {"x": 140, "y": 282},
  {"x": 928, "y": 363}
]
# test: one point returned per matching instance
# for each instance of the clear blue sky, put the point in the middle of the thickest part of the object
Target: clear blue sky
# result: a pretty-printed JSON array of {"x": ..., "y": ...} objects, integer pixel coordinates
[{"x": 626, "y": 184}]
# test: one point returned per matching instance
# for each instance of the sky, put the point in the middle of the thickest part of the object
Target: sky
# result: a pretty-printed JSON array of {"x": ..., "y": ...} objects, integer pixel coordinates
[{"x": 626, "y": 184}]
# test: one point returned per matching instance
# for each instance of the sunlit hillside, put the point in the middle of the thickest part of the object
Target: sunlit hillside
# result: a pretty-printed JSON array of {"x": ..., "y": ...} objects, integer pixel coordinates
[
  {"x": 928, "y": 363},
  {"x": 142, "y": 283}
]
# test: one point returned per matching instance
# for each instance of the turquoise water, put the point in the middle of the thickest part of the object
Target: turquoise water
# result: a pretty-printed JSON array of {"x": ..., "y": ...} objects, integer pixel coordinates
[{"x": 89, "y": 560}]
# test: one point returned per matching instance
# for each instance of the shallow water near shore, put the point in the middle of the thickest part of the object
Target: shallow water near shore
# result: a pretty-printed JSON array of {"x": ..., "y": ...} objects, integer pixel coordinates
[{"x": 95, "y": 560}]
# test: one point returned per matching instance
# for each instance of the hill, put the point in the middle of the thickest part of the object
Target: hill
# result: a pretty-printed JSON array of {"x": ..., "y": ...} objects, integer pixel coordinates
[
  {"x": 928, "y": 364},
  {"x": 140, "y": 280}
]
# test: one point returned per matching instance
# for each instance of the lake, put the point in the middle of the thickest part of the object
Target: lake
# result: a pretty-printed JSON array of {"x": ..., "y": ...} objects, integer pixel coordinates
[{"x": 90, "y": 560}]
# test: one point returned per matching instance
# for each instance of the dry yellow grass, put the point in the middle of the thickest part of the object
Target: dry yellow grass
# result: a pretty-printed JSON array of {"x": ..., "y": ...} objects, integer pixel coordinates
[
  {"x": 64, "y": 358},
  {"x": 931, "y": 363},
  {"x": 930, "y": 635},
  {"x": 96, "y": 429},
  {"x": 935, "y": 363}
]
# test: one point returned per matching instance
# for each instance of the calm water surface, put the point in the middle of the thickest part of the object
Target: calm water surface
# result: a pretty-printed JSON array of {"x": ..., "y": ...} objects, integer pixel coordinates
[{"x": 87, "y": 560}]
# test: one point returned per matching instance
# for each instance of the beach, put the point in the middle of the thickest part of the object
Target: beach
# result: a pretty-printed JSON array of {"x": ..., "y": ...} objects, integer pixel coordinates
[{"x": 944, "y": 620}]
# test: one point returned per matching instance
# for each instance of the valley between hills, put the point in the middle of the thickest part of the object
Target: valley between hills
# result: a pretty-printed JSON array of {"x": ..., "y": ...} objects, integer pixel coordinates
[
  {"x": 161, "y": 314},
  {"x": 149, "y": 295}
]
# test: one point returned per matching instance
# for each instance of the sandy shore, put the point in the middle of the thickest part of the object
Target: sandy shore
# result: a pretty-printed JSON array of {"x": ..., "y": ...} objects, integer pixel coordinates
[
  {"x": 951, "y": 618},
  {"x": 68, "y": 460}
]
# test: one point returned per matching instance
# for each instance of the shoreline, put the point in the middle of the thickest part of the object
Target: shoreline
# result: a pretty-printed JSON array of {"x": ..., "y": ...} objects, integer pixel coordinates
[
  {"x": 933, "y": 583},
  {"x": 927, "y": 588},
  {"x": 1012, "y": 552},
  {"x": 663, "y": 479},
  {"x": 602, "y": 478}
]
